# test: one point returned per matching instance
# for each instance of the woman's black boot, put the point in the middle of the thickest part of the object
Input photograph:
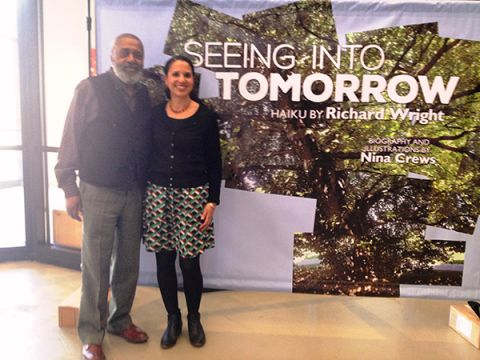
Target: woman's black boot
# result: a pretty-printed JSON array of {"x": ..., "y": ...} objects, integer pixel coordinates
[
  {"x": 173, "y": 330},
  {"x": 195, "y": 330}
]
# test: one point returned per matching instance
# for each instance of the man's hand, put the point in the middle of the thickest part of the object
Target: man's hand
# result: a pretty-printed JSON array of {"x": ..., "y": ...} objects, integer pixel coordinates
[{"x": 74, "y": 207}]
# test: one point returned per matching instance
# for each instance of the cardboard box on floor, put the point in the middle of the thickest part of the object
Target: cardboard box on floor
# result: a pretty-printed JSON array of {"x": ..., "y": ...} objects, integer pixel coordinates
[
  {"x": 66, "y": 231},
  {"x": 68, "y": 310},
  {"x": 465, "y": 322}
]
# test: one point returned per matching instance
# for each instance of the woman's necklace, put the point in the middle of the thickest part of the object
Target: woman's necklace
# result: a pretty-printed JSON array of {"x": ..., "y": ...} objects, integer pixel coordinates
[{"x": 179, "y": 111}]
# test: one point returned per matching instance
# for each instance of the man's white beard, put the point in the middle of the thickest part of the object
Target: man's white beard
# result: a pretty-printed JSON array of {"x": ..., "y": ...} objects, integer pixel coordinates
[{"x": 127, "y": 78}]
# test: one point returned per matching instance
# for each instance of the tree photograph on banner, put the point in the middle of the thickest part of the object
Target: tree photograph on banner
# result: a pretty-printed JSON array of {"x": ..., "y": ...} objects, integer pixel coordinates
[{"x": 382, "y": 131}]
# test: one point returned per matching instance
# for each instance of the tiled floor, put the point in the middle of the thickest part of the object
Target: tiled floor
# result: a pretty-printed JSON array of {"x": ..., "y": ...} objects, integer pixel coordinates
[{"x": 239, "y": 325}]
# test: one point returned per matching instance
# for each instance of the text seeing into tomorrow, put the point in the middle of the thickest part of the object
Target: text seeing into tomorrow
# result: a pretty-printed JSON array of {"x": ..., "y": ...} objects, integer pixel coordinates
[{"x": 255, "y": 86}]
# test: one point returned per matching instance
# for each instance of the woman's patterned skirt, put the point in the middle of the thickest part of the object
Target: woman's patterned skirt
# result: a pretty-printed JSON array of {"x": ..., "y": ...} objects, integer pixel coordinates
[{"x": 172, "y": 218}]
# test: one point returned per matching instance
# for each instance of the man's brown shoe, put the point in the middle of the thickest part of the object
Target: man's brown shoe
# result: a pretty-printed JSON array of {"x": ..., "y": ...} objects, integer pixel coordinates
[
  {"x": 132, "y": 334},
  {"x": 92, "y": 352}
]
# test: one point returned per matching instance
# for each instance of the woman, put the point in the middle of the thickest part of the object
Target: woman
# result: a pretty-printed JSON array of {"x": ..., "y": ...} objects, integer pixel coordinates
[{"x": 181, "y": 196}]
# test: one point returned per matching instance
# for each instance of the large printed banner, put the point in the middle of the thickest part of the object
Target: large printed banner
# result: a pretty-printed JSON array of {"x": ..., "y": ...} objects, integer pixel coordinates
[{"x": 351, "y": 163}]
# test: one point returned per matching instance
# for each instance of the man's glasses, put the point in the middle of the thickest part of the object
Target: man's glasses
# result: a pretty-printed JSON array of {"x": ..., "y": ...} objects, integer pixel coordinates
[{"x": 124, "y": 52}]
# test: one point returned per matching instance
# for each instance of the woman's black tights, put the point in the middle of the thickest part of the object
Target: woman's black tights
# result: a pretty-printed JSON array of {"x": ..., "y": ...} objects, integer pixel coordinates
[{"x": 167, "y": 281}]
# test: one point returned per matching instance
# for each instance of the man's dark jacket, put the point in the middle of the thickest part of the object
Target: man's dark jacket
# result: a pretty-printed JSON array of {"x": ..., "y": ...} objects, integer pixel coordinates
[{"x": 114, "y": 149}]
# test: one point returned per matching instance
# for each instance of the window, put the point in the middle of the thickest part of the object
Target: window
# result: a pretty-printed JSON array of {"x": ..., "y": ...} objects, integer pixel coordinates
[{"x": 12, "y": 209}]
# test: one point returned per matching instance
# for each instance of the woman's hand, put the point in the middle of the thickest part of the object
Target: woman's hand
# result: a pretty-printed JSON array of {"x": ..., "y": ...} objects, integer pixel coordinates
[{"x": 207, "y": 215}]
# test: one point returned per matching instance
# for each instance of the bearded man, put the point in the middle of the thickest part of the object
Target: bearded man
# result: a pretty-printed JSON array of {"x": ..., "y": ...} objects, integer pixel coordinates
[{"x": 107, "y": 140}]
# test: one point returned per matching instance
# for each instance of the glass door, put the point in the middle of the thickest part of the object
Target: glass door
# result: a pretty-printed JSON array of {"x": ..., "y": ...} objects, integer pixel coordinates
[
  {"x": 64, "y": 64},
  {"x": 12, "y": 203},
  {"x": 40, "y": 68}
]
